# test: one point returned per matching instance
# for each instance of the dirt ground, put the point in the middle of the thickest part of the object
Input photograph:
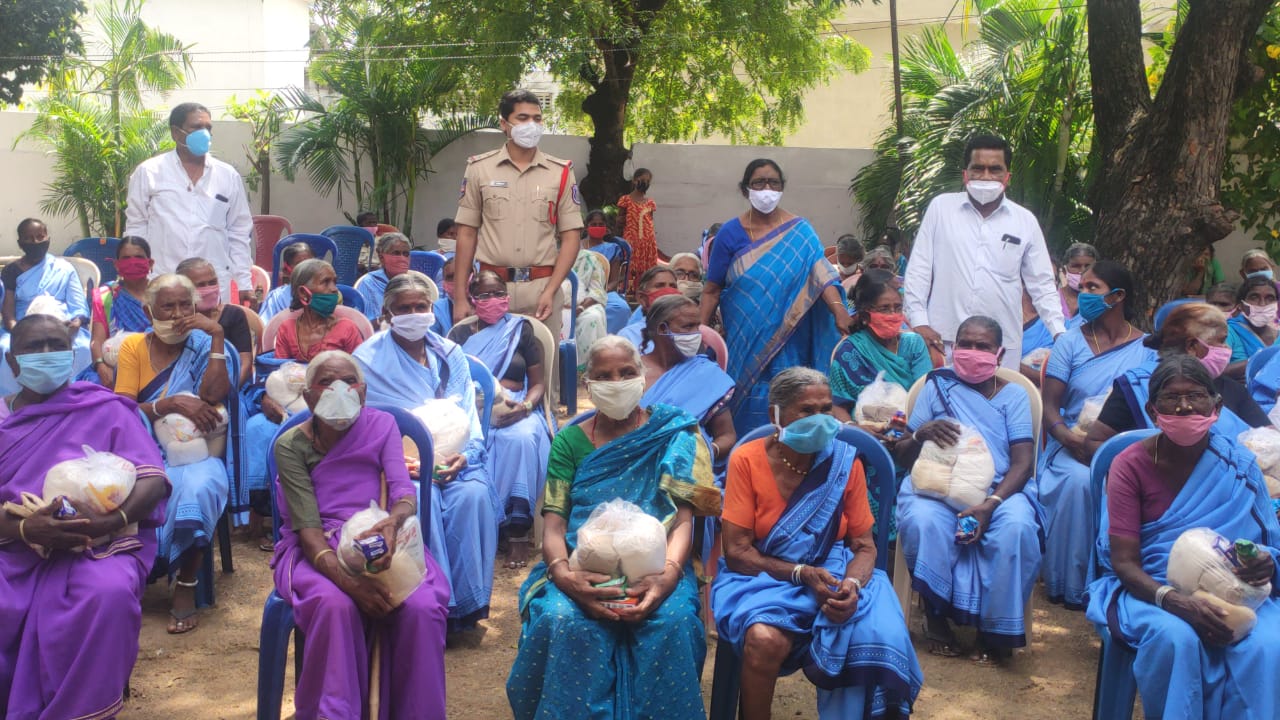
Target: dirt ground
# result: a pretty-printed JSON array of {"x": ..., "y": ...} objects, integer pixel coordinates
[{"x": 212, "y": 672}]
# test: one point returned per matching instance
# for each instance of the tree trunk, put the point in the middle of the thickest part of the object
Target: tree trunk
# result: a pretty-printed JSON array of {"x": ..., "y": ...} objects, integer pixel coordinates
[
  {"x": 605, "y": 180},
  {"x": 1155, "y": 194},
  {"x": 264, "y": 177}
]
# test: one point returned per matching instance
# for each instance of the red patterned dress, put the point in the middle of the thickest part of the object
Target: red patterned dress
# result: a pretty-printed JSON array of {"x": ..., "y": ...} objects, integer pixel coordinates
[{"x": 639, "y": 233}]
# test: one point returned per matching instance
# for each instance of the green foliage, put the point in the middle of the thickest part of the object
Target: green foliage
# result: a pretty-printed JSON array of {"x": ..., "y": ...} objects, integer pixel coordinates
[
  {"x": 1024, "y": 76},
  {"x": 93, "y": 121},
  {"x": 1251, "y": 178},
  {"x": 385, "y": 83},
  {"x": 266, "y": 114},
  {"x": 36, "y": 34}
]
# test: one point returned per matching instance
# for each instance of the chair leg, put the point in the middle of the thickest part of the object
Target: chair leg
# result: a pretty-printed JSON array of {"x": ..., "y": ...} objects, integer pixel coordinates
[
  {"x": 726, "y": 683},
  {"x": 273, "y": 644},
  {"x": 1114, "y": 688},
  {"x": 224, "y": 542},
  {"x": 204, "y": 576},
  {"x": 902, "y": 582}
]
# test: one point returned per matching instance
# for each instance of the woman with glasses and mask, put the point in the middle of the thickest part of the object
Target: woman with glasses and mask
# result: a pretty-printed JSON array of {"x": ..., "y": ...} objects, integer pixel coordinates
[
  {"x": 182, "y": 366},
  {"x": 393, "y": 259},
  {"x": 579, "y": 657},
  {"x": 405, "y": 366},
  {"x": 985, "y": 576},
  {"x": 798, "y": 586},
  {"x": 331, "y": 466},
  {"x": 1189, "y": 475},
  {"x": 1084, "y": 363},
  {"x": 1255, "y": 324},
  {"x": 778, "y": 295},
  {"x": 1078, "y": 258},
  {"x": 520, "y": 438},
  {"x": 688, "y": 270}
]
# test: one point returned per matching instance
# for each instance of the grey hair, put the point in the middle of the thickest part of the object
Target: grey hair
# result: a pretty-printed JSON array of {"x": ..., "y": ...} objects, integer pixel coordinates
[
  {"x": 313, "y": 367},
  {"x": 194, "y": 263},
  {"x": 386, "y": 240},
  {"x": 877, "y": 252},
  {"x": 682, "y": 256},
  {"x": 661, "y": 311},
  {"x": 408, "y": 282},
  {"x": 1254, "y": 253},
  {"x": 613, "y": 342},
  {"x": 304, "y": 271},
  {"x": 849, "y": 245},
  {"x": 1078, "y": 249},
  {"x": 786, "y": 386},
  {"x": 986, "y": 323},
  {"x": 169, "y": 281}
]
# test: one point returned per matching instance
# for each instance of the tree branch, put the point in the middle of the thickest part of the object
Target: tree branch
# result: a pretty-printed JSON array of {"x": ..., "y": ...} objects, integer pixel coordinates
[{"x": 1120, "y": 91}]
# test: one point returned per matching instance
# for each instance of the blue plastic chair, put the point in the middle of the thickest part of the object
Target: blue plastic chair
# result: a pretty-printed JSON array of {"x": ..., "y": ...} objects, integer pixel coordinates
[
  {"x": 726, "y": 683},
  {"x": 1257, "y": 362},
  {"x": 1114, "y": 687},
  {"x": 351, "y": 297},
  {"x": 482, "y": 376},
  {"x": 321, "y": 246},
  {"x": 1167, "y": 308},
  {"x": 569, "y": 354},
  {"x": 429, "y": 263},
  {"x": 352, "y": 242},
  {"x": 277, "y": 614},
  {"x": 100, "y": 251}
]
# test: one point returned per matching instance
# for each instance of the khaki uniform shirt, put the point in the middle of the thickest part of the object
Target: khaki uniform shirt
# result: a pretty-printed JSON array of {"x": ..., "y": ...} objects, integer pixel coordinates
[{"x": 512, "y": 209}]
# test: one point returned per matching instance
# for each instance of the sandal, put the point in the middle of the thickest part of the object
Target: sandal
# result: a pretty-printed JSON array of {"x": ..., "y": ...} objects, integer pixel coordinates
[
  {"x": 942, "y": 644},
  {"x": 183, "y": 621},
  {"x": 992, "y": 657}
]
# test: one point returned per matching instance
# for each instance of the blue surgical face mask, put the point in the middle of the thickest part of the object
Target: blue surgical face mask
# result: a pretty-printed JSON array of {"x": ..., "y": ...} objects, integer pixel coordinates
[
  {"x": 808, "y": 434},
  {"x": 199, "y": 141},
  {"x": 1261, "y": 274},
  {"x": 46, "y": 371},
  {"x": 1093, "y": 306}
]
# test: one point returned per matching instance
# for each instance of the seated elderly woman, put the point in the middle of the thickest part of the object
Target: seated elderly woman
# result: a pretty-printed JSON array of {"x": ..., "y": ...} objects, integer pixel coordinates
[
  {"x": 281, "y": 296},
  {"x": 520, "y": 438},
  {"x": 984, "y": 576},
  {"x": 117, "y": 306},
  {"x": 1080, "y": 370},
  {"x": 688, "y": 270},
  {"x": 71, "y": 614},
  {"x": 331, "y": 466},
  {"x": 407, "y": 366},
  {"x": 181, "y": 367},
  {"x": 658, "y": 281},
  {"x": 393, "y": 257},
  {"x": 849, "y": 256},
  {"x": 315, "y": 329},
  {"x": 1192, "y": 329},
  {"x": 1189, "y": 475},
  {"x": 1254, "y": 325},
  {"x": 232, "y": 318},
  {"x": 579, "y": 656},
  {"x": 790, "y": 592}
]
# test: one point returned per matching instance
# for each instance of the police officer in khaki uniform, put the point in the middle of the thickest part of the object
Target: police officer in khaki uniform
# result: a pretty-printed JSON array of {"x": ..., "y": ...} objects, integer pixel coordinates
[{"x": 514, "y": 203}]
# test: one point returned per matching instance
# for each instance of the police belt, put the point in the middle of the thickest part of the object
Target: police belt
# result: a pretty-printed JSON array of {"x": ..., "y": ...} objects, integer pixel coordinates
[{"x": 520, "y": 274}]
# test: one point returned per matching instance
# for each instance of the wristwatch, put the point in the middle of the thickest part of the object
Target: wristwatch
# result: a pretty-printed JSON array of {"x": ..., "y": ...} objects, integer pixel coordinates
[{"x": 527, "y": 405}]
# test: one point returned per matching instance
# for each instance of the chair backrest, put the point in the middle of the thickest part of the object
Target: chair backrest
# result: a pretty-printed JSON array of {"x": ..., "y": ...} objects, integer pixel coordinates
[
  {"x": 100, "y": 251},
  {"x": 1167, "y": 308},
  {"x": 1013, "y": 377},
  {"x": 88, "y": 273},
  {"x": 1098, "y": 470},
  {"x": 261, "y": 281},
  {"x": 830, "y": 253},
  {"x": 352, "y": 243},
  {"x": 1257, "y": 362},
  {"x": 550, "y": 355},
  {"x": 482, "y": 376},
  {"x": 625, "y": 265},
  {"x": 267, "y": 231},
  {"x": 383, "y": 228},
  {"x": 256, "y": 327},
  {"x": 351, "y": 297},
  {"x": 429, "y": 263},
  {"x": 322, "y": 247},
  {"x": 273, "y": 327},
  {"x": 356, "y": 316},
  {"x": 712, "y": 339},
  {"x": 291, "y": 421}
]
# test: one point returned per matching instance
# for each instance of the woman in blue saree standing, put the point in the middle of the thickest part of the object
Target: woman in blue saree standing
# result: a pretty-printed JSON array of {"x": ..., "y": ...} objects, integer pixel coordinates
[
  {"x": 182, "y": 365},
  {"x": 1187, "y": 476},
  {"x": 797, "y": 587},
  {"x": 1084, "y": 363},
  {"x": 770, "y": 279},
  {"x": 984, "y": 579},
  {"x": 520, "y": 436},
  {"x": 577, "y": 657},
  {"x": 405, "y": 366}
]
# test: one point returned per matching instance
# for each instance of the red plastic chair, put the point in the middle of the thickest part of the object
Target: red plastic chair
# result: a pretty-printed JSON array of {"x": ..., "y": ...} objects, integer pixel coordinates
[
  {"x": 712, "y": 339},
  {"x": 267, "y": 231}
]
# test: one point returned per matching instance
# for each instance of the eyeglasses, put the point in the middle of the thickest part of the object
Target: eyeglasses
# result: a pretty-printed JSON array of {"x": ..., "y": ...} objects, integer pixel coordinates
[
  {"x": 687, "y": 274},
  {"x": 887, "y": 309},
  {"x": 490, "y": 295},
  {"x": 762, "y": 183},
  {"x": 1176, "y": 400}
]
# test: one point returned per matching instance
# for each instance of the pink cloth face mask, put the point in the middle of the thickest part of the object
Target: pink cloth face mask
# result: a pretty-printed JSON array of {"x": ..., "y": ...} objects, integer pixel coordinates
[
  {"x": 1185, "y": 430},
  {"x": 491, "y": 310},
  {"x": 1215, "y": 358},
  {"x": 974, "y": 366}
]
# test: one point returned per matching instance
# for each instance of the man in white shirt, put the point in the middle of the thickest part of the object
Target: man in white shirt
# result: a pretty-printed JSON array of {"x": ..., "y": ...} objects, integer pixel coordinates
[
  {"x": 974, "y": 252},
  {"x": 188, "y": 204}
]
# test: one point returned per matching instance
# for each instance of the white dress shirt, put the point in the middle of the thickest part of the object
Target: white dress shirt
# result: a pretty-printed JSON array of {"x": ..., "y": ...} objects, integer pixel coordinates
[
  {"x": 963, "y": 264},
  {"x": 209, "y": 219}
]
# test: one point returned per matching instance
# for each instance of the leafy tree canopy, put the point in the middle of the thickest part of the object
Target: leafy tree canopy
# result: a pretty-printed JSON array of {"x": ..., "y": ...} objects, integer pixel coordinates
[{"x": 36, "y": 34}]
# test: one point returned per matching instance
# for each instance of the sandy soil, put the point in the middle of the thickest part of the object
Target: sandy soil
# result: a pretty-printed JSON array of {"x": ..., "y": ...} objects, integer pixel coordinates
[{"x": 212, "y": 672}]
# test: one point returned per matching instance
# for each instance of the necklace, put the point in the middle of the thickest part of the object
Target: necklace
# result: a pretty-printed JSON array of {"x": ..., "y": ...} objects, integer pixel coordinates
[
  {"x": 1093, "y": 335},
  {"x": 792, "y": 468},
  {"x": 634, "y": 424}
]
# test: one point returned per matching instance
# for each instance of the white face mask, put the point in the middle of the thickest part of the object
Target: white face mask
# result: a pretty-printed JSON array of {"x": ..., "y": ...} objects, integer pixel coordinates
[
  {"x": 339, "y": 405},
  {"x": 527, "y": 134},
  {"x": 765, "y": 201},
  {"x": 413, "y": 326},
  {"x": 1261, "y": 316},
  {"x": 691, "y": 289},
  {"x": 687, "y": 344},
  {"x": 447, "y": 244},
  {"x": 617, "y": 399},
  {"x": 984, "y": 192}
]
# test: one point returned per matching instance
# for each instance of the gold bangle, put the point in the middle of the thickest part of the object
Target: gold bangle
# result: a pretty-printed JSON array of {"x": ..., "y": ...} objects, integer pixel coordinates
[
  {"x": 315, "y": 559},
  {"x": 553, "y": 564},
  {"x": 22, "y": 532},
  {"x": 123, "y": 517},
  {"x": 408, "y": 501},
  {"x": 679, "y": 568}
]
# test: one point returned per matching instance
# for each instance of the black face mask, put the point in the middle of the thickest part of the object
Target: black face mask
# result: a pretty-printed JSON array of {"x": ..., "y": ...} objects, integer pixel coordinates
[
  {"x": 34, "y": 250},
  {"x": 642, "y": 186}
]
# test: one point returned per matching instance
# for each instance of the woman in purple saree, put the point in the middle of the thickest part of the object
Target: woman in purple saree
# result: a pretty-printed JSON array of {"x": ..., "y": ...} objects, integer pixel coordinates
[
  {"x": 330, "y": 467},
  {"x": 50, "y": 667}
]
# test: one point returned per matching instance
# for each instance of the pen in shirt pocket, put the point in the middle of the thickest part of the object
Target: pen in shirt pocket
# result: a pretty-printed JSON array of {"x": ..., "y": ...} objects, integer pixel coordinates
[{"x": 220, "y": 197}]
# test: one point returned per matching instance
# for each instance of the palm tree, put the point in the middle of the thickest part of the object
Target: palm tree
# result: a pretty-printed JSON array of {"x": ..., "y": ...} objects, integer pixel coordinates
[
  {"x": 1024, "y": 77},
  {"x": 94, "y": 121}
]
